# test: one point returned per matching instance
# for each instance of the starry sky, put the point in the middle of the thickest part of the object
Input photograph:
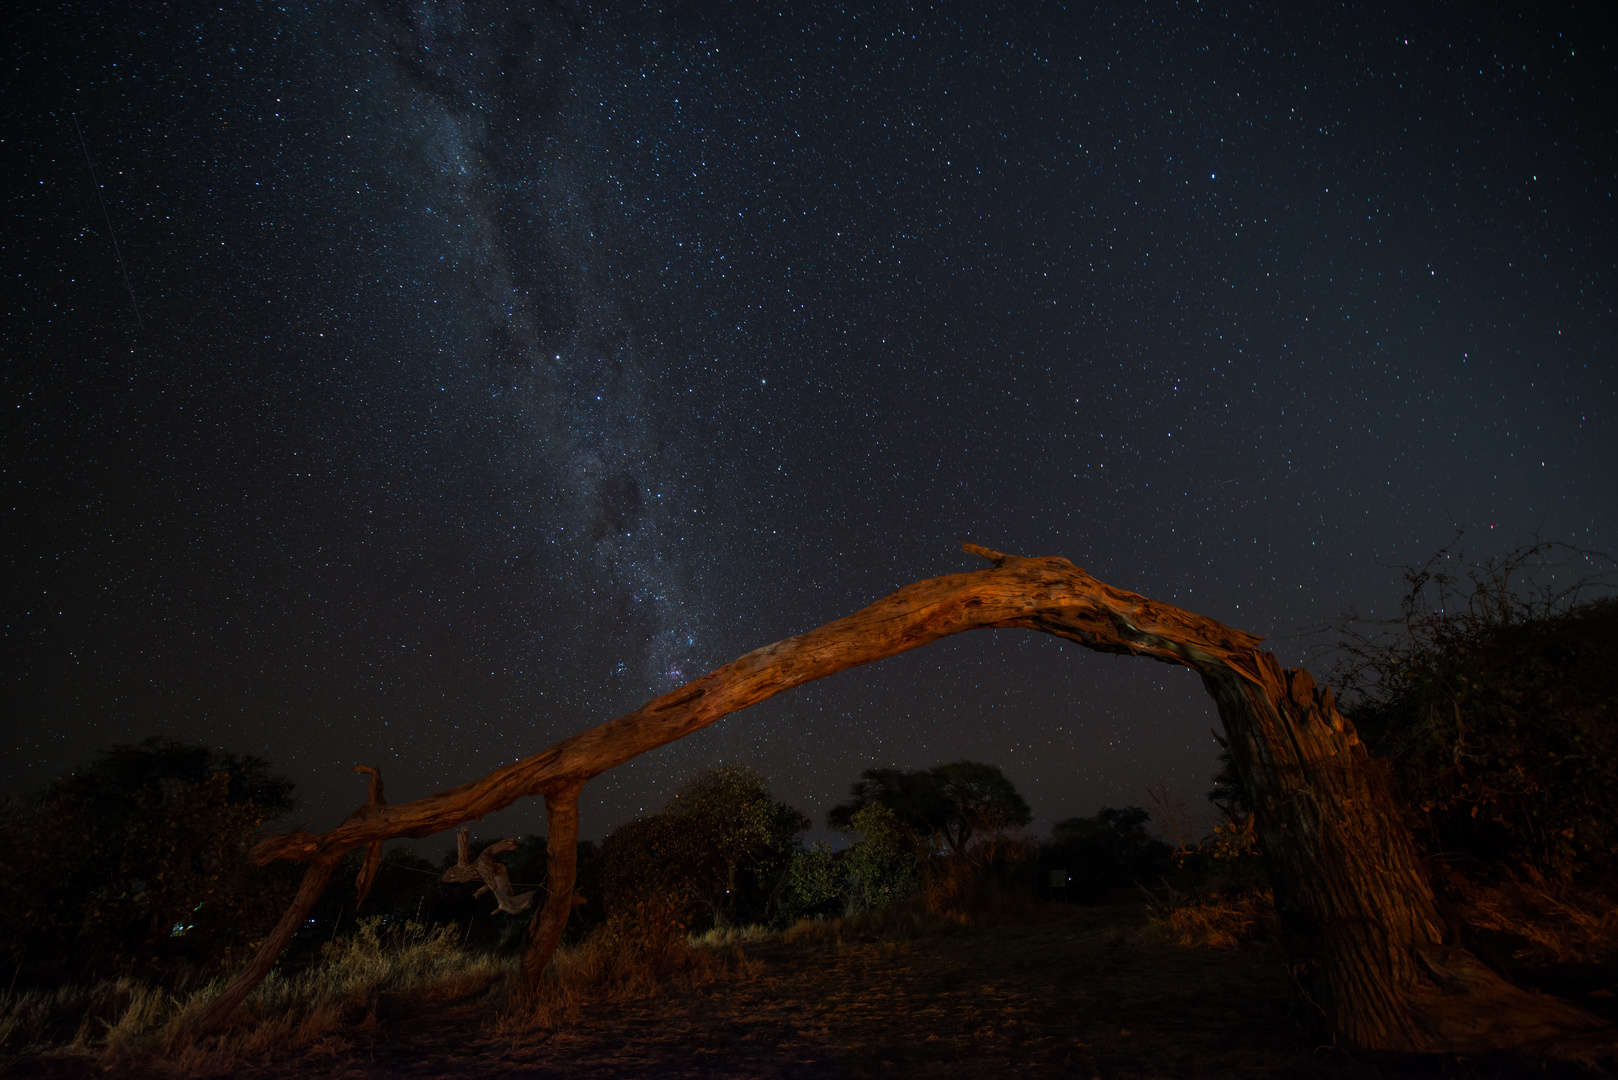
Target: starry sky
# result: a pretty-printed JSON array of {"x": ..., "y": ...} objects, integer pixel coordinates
[{"x": 416, "y": 384}]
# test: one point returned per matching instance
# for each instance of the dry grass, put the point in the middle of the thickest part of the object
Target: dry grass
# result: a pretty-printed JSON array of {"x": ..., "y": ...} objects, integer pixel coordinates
[
  {"x": 727, "y": 937},
  {"x": 79, "y": 1017},
  {"x": 322, "y": 1010},
  {"x": 907, "y": 920},
  {"x": 1072, "y": 991},
  {"x": 904, "y": 990},
  {"x": 1212, "y": 920},
  {"x": 647, "y": 953},
  {"x": 1554, "y": 925},
  {"x": 633, "y": 956},
  {"x": 117, "y": 1023}
]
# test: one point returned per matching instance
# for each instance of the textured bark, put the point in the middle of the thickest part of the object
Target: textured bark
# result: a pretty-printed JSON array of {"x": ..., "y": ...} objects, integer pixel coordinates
[
  {"x": 373, "y": 850},
  {"x": 1364, "y": 940},
  {"x": 561, "y": 853},
  {"x": 1366, "y": 943}
]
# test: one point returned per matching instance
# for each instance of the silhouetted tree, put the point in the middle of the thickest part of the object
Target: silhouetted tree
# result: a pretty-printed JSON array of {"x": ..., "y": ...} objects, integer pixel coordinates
[
  {"x": 953, "y": 803},
  {"x": 1109, "y": 847},
  {"x": 1227, "y": 794},
  {"x": 138, "y": 862}
]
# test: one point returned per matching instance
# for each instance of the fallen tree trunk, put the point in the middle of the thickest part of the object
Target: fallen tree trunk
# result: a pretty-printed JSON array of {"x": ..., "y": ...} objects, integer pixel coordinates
[{"x": 1367, "y": 946}]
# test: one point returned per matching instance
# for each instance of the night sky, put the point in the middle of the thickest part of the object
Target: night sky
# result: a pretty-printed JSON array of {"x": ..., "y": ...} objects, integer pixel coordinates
[{"x": 465, "y": 375}]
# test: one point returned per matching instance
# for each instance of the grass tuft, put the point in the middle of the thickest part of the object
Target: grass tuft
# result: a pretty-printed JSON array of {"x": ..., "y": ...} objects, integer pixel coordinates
[
  {"x": 636, "y": 954},
  {"x": 118, "y": 1022},
  {"x": 725, "y": 937},
  {"x": 1549, "y": 924},
  {"x": 1212, "y": 920}
]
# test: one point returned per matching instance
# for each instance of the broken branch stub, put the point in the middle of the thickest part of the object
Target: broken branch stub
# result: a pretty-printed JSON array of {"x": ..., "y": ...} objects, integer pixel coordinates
[
  {"x": 373, "y": 850},
  {"x": 1362, "y": 930},
  {"x": 490, "y": 871}
]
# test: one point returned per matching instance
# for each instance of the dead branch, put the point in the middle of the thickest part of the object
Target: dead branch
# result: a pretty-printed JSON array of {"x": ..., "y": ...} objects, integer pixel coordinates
[
  {"x": 1366, "y": 943},
  {"x": 489, "y": 870},
  {"x": 373, "y": 850}
]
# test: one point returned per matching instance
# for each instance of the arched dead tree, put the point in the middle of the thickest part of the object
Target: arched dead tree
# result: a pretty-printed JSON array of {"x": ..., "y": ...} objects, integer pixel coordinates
[{"x": 1365, "y": 940}]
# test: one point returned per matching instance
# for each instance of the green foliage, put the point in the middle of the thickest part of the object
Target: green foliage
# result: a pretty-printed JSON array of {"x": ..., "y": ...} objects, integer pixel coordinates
[
  {"x": 882, "y": 867},
  {"x": 137, "y": 864},
  {"x": 953, "y": 803},
  {"x": 1496, "y": 700},
  {"x": 721, "y": 844},
  {"x": 812, "y": 886}
]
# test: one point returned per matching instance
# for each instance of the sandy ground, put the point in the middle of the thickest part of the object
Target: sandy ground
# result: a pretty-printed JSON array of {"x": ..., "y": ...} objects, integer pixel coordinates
[
  {"x": 1074, "y": 994},
  {"x": 1067, "y": 996}
]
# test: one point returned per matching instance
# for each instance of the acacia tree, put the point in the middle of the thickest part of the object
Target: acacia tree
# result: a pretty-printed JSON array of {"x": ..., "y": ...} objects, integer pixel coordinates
[
  {"x": 955, "y": 802},
  {"x": 1112, "y": 844},
  {"x": 1366, "y": 944}
]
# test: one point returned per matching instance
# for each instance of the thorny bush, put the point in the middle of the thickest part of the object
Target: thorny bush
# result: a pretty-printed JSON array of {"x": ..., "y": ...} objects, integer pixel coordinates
[{"x": 1494, "y": 694}]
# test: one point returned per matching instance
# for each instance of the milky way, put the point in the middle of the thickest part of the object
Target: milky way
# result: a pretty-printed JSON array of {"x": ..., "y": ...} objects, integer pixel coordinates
[{"x": 500, "y": 370}]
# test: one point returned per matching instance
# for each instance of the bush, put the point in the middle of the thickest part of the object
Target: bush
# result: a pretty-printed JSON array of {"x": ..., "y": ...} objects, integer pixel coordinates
[
  {"x": 1497, "y": 704},
  {"x": 137, "y": 864},
  {"x": 1229, "y": 860},
  {"x": 812, "y": 887},
  {"x": 882, "y": 867},
  {"x": 719, "y": 848},
  {"x": 1108, "y": 849}
]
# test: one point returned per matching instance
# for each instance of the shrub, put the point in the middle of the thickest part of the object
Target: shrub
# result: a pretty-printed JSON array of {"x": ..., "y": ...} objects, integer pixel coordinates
[
  {"x": 1107, "y": 849},
  {"x": 1496, "y": 702},
  {"x": 812, "y": 887},
  {"x": 882, "y": 867},
  {"x": 137, "y": 864},
  {"x": 719, "y": 847}
]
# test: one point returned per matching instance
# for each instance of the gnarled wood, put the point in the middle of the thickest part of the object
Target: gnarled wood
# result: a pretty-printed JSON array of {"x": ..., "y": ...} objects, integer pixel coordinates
[
  {"x": 1366, "y": 943},
  {"x": 489, "y": 870}
]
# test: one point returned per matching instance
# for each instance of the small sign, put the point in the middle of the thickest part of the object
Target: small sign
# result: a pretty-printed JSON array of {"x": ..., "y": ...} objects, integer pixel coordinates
[{"x": 1058, "y": 879}]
